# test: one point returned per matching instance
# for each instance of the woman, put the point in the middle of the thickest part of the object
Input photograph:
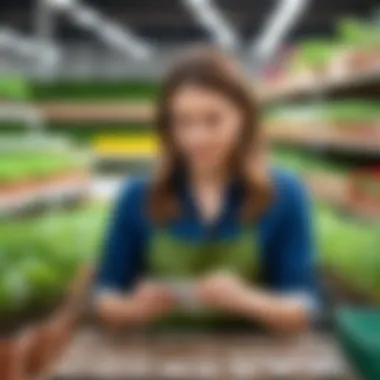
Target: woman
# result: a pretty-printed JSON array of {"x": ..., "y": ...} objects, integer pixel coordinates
[{"x": 214, "y": 213}]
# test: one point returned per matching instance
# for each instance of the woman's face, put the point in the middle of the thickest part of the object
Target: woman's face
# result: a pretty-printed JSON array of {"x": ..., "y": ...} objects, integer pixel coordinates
[{"x": 206, "y": 126}]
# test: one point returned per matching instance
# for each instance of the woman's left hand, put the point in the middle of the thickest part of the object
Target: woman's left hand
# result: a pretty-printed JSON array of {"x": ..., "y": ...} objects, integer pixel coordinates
[
  {"x": 224, "y": 291},
  {"x": 229, "y": 293}
]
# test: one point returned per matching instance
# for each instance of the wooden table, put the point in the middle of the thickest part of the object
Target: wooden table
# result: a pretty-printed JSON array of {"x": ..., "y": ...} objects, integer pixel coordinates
[{"x": 96, "y": 355}]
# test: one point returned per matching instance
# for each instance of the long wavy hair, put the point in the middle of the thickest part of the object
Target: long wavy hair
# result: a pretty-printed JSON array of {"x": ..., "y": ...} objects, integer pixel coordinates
[{"x": 213, "y": 70}]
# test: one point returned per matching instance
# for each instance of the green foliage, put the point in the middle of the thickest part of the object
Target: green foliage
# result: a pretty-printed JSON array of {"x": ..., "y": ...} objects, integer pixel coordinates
[
  {"x": 350, "y": 32},
  {"x": 357, "y": 33},
  {"x": 313, "y": 53},
  {"x": 304, "y": 163},
  {"x": 350, "y": 249},
  {"x": 33, "y": 165},
  {"x": 40, "y": 257},
  {"x": 351, "y": 110},
  {"x": 347, "y": 247},
  {"x": 14, "y": 88}
]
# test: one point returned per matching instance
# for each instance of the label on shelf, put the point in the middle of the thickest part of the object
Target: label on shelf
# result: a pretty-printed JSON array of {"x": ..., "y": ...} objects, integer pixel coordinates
[{"x": 133, "y": 146}]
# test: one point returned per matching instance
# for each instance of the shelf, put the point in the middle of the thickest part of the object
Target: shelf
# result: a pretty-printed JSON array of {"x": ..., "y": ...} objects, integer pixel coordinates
[
  {"x": 128, "y": 111},
  {"x": 329, "y": 187},
  {"x": 334, "y": 189},
  {"x": 198, "y": 355},
  {"x": 130, "y": 158},
  {"x": 97, "y": 111},
  {"x": 142, "y": 113},
  {"x": 349, "y": 83},
  {"x": 51, "y": 191},
  {"x": 318, "y": 139},
  {"x": 144, "y": 147}
]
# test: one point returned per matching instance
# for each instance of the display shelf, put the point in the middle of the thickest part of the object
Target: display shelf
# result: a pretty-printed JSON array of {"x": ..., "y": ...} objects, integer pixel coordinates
[
  {"x": 103, "y": 158},
  {"x": 363, "y": 210},
  {"x": 142, "y": 145},
  {"x": 85, "y": 112},
  {"x": 97, "y": 111},
  {"x": 329, "y": 187},
  {"x": 38, "y": 170},
  {"x": 57, "y": 189},
  {"x": 334, "y": 189},
  {"x": 206, "y": 355},
  {"x": 348, "y": 145},
  {"x": 305, "y": 136},
  {"x": 349, "y": 83},
  {"x": 315, "y": 140}
]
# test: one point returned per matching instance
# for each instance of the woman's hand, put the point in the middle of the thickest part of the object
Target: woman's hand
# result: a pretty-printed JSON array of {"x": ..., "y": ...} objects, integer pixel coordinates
[
  {"x": 227, "y": 292},
  {"x": 223, "y": 291},
  {"x": 150, "y": 301},
  {"x": 146, "y": 303}
]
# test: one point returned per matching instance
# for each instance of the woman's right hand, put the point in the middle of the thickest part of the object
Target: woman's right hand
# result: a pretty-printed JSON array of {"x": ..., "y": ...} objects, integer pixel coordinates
[
  {"x": 146, "y": 303},
  {"x": 149, "y": 302}
]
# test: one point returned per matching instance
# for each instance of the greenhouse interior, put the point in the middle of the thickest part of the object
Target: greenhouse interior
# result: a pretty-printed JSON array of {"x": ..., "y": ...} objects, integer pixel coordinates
[{"x": 78, "y": 88}]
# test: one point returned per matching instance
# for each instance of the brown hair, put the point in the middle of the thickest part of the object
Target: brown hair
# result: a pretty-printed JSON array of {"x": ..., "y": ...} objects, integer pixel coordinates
[{"x": 212, "y": 69}]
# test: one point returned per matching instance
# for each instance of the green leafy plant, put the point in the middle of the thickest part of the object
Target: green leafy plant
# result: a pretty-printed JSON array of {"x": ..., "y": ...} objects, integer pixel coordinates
[
  {"x": 350, "y": 249},
  {"x": 34, "y": 165},
  {"x": 357, "y": 33},
  {"x": 353, "y": 110},
  {"x": 40, "y": 257},
  {"x": 14, "y": 88},
  {"x": 313, "y": 53}
]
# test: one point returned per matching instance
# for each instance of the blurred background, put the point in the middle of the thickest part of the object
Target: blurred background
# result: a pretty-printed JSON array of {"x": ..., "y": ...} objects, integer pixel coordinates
[{"x": 78, "y": 81}]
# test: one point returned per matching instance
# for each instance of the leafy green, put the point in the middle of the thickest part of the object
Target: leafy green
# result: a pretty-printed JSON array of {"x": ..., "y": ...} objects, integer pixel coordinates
[
  {"x": 31, "y": 165},
  {"x": 40, "y": 257},
  {"x": 357, "y": 33},
  {"x": 14, "y": 88},
  {"x": 354, "y": 110},
  {"x": 304, "y": 163},
  {"x": 350, "y": 249},
  {"x": 313, "y": 53}
]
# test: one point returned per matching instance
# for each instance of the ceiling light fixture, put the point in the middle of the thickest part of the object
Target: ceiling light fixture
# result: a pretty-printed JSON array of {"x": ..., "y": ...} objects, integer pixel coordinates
[
  {"x": 117, "y": 36},
  {"x": 210, "y": 17},
  {"x": 286, "y": 14}
]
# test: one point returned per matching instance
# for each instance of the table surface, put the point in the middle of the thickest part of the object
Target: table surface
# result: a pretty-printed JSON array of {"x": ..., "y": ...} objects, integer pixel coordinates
[{"x": 97, "y": 355}]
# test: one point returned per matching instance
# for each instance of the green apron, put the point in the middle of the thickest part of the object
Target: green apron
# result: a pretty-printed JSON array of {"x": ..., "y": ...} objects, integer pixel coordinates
[{"x": 171, "y": 257}]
